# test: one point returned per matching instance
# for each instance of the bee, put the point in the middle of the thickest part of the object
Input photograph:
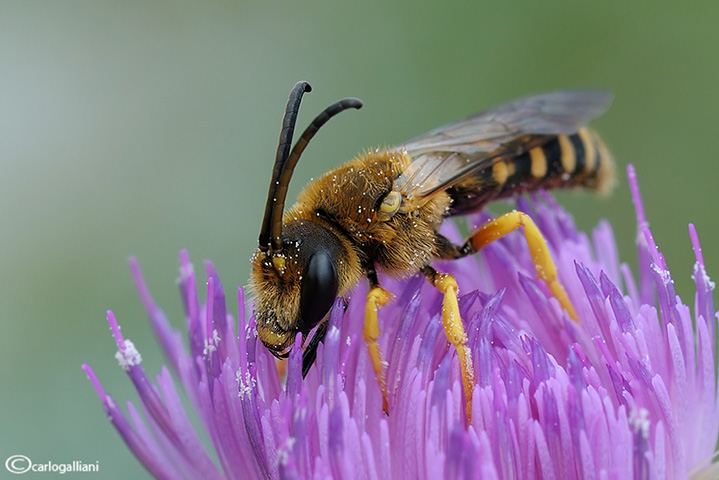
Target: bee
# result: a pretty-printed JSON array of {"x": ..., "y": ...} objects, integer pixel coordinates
[{"x": 382, "y": 211}]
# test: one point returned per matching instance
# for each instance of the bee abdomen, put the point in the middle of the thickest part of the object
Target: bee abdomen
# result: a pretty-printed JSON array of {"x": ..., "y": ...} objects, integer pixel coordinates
[
  {"x": 563, "y": 161},
  {"x": 577, "y": 160}
]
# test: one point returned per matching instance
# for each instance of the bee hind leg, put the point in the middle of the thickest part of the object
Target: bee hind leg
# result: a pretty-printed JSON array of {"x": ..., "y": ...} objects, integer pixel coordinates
[
  {"x": 454, "y": 330},
  {"x": 543, "y": 263},
  {"x": 376, "y": 298}
]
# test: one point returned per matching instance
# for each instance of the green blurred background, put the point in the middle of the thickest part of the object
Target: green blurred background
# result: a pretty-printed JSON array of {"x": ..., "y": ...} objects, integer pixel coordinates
[{"x": 143, "y": 128}]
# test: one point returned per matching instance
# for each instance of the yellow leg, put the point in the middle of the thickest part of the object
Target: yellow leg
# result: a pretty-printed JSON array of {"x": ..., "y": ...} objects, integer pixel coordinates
[
  {"x": 543, "y": 262},
  {"x": 376, "y": 298},
  {"x": 454, "y": 330}
]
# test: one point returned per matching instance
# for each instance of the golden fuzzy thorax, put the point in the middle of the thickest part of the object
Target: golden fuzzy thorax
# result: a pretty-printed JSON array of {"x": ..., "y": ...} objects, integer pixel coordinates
[
  {"x": 350, "y": 196},
  {"x": 343, "y": 207}
]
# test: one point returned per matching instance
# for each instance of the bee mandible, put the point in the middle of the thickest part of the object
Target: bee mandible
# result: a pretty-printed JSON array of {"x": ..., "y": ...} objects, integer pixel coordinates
[{"x": 382, "y": 211}]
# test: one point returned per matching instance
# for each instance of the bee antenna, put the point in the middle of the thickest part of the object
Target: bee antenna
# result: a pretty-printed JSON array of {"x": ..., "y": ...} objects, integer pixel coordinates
[
  {"x": 283, "y": 151},
  {"x": 282, "y": 181}
]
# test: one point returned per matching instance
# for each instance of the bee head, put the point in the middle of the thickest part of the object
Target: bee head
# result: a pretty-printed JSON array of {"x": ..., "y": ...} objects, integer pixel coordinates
[
  {"x": 294, "y": 291},
  {"x": 294, "y": 272}
]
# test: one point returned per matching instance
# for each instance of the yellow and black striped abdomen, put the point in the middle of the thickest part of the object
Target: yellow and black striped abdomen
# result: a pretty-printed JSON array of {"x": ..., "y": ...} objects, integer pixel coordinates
[{"x": 561, "y": 161}]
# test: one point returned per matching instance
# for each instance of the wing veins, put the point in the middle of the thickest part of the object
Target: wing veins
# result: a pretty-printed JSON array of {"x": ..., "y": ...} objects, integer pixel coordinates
[{"x": 449, "y": 154}]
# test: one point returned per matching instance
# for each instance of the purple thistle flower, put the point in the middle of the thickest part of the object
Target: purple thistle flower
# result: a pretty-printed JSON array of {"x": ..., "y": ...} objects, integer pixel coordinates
[{"x": 629, "y": 392}]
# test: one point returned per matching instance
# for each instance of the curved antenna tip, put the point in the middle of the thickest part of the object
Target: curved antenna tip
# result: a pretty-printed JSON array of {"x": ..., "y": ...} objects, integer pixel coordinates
[{"x": 306, "y": 87}]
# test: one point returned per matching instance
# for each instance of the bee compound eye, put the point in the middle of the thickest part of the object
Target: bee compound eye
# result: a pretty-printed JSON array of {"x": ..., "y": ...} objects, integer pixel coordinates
[{"x": 318, "y": 291}]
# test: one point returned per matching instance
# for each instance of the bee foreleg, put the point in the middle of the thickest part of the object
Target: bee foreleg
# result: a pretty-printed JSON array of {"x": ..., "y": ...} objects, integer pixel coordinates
[
  {"x": 454, "y": 330},
  {"x": 376, "y": 298},
  {"x": 543, "y": 263}
]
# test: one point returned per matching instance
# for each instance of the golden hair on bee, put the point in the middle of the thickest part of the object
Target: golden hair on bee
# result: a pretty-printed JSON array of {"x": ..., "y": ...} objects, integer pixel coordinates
[{"x": 382, "y": 211}]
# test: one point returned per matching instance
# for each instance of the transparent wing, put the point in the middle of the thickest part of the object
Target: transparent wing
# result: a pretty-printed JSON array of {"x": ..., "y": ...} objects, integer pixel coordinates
[{"x": 451, "y": 153}]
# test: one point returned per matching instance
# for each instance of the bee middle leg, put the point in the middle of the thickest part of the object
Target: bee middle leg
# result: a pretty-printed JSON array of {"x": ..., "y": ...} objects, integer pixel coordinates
[{"x": 454, "y": 330}]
